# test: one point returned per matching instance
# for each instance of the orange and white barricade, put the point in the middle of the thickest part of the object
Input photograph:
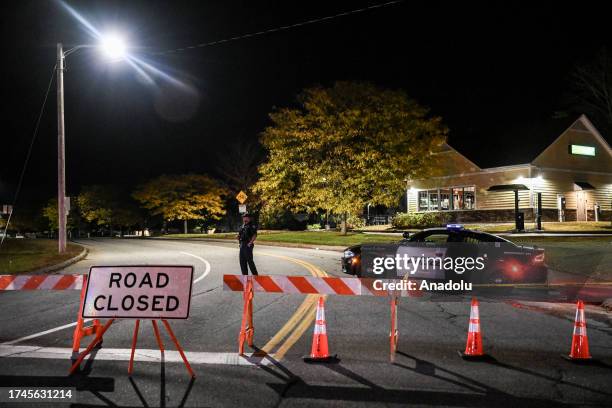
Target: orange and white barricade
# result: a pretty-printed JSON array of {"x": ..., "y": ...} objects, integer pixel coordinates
[
  {"x": 394, "y": 331},
  {"x": 56, "y": 282},
  {"x": 247, "y": 329},
  {"x": 309, "y": 285},
  {"x": 42, "y": 282}
]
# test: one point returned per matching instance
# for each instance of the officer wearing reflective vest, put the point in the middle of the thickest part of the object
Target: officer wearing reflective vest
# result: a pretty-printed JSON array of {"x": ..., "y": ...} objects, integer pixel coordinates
[{"x": 246, "y": 238}]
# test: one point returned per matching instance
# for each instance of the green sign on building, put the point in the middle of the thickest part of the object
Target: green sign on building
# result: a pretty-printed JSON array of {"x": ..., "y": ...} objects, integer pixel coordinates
[{"x": 582, "y": 150}]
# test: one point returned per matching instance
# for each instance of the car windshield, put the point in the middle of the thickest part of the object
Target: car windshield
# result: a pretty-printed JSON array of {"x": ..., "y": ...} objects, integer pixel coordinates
[
  {"x": 484, "y": 237},
  {"x": 436, "y": 236},
  {"x": 443, "y": 236}
]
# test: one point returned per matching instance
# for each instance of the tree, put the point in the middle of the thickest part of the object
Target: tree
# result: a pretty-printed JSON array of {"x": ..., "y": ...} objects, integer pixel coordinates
[
  {"x": 237, "y": 169},
  {"x": 344, "y": 147},
  {"x": 24, "y": 219},
  {"x": 108, "y": 206},
  {"x": 182, "y": 197},
  {"x": 97, "y": 204},
  {"x": 238, "y": 166},
  {"x": 591, "y": 90},
  {"x": 50, "y": 213}
]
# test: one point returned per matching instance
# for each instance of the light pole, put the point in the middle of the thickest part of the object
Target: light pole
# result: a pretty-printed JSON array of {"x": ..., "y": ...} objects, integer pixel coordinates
[
  {"x": 61, "y": 153},
  {"x": 114, "y": 49}
]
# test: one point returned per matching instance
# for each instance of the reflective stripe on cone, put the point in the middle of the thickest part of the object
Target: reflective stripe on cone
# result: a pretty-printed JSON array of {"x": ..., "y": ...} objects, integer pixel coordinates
[
  {"x": 473, "y": 346},
  {"x": 319, "y": 352},
  {"x": 580, "y": 340}
]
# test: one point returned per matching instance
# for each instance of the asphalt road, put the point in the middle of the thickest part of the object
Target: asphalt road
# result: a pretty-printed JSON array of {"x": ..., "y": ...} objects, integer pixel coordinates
[{"x": 525, "y": 340}]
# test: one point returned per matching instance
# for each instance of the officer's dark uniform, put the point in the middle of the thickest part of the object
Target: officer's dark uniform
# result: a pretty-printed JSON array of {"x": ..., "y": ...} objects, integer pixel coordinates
[{"x": 245, "y": 235}]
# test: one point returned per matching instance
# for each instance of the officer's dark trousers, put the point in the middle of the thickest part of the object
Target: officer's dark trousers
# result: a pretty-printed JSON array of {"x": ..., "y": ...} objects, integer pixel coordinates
[{"x": 246, "y": 257}]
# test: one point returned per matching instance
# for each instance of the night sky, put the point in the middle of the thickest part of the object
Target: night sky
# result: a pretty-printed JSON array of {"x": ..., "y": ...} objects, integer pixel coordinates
[{"x": 486, "y": 68}]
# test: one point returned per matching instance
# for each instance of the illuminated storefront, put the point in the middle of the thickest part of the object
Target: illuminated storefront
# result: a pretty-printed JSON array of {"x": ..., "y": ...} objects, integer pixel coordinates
[{"x": 573, "y": 177}]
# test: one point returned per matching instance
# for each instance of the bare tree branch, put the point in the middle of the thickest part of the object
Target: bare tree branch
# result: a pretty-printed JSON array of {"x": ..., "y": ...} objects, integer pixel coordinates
[{"x": 591, "y": 90}]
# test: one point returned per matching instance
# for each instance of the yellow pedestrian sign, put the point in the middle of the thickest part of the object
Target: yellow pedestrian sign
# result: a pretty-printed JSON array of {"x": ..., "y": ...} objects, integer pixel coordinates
[{"x": 241, "y": 197}]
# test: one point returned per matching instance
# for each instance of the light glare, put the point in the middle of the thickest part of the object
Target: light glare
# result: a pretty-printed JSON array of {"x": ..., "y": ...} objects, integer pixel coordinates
[{"x": 113, "y": 47}]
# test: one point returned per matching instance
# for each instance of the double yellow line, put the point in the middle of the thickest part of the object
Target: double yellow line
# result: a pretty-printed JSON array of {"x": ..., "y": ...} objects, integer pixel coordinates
[{"x": 301, "y": 320}]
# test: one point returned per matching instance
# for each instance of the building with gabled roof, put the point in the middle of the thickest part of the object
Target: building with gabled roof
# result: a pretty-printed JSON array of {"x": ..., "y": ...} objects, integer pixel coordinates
[{"x": 573, "y": 176}]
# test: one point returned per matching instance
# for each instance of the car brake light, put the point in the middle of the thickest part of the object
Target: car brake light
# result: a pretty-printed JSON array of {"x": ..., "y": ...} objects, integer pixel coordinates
[{"x": 513, "y": 268}]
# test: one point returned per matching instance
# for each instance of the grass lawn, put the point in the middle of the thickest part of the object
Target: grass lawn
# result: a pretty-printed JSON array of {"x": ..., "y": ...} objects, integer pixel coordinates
[
  {"x": 570, "y": 226},
  {"x": 326, "y": 238},
  {"x": 26, "y": 255},
  {"x": 587, "y": 256},
  {"x": 303, "y": 237}
]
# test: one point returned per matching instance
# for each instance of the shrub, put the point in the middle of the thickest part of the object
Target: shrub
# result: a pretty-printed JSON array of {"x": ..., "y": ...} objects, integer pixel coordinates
[
  {"x": 280, "y": 219},
  {"x": 420, "y": 220},
  {"x": 355, "y": 222}
]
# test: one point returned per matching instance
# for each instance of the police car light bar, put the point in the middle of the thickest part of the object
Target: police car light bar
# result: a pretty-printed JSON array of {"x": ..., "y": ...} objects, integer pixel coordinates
[{"x": 454, "y": 226}]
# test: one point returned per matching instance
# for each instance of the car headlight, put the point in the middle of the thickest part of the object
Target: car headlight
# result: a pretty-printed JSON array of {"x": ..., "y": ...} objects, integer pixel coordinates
[{"x": 349, "y": 254}]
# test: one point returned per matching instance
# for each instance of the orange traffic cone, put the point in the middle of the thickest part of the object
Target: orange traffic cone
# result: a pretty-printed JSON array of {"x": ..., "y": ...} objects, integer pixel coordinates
[
  {"x": 580, "y": 341},
  {"x": 473, "y": 347},
  {"x": 320, "y": 350}
]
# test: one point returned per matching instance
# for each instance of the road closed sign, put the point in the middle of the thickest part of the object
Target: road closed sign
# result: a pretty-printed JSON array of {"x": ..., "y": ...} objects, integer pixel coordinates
[{"x": 138, "y": 292}]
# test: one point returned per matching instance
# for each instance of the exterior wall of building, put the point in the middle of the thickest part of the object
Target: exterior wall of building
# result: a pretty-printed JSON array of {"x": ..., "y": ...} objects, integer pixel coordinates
[
  {"x": 553, "y": 173},
  {"x": 552, "y": 182},
  {"x": 557, "y": 156},
  {"x": 481, "y": 181}
]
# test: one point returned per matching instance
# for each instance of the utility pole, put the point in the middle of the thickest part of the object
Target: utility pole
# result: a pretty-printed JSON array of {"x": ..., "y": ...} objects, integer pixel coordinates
[{"x": 61, "y": 163}]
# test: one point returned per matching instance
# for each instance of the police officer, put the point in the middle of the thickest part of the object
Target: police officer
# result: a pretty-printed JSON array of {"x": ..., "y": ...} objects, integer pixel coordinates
[{"x": 246, "y": 238}]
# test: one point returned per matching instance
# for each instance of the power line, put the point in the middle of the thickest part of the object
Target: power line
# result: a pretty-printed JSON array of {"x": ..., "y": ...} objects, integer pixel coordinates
[
  {"x": 27, "y": 159},
  {"x": 281, "y": 28}
]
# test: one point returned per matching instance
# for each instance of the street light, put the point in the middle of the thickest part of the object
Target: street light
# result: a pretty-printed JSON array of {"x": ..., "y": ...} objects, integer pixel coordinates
[{"x": 114, "y": 48}]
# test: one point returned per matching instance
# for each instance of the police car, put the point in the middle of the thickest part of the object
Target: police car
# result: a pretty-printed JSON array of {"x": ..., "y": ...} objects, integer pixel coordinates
[{"x": 506, "y": 262}]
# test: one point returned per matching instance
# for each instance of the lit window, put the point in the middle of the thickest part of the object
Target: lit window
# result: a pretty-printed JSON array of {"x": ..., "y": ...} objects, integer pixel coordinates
[
  {"x": 433, "y": 200},
  {"x": 468, "y": 198},
  {"x": 457, "y": 198},
  {"x": 423, "y": 201},
  {"x": 445, "y": 199}
]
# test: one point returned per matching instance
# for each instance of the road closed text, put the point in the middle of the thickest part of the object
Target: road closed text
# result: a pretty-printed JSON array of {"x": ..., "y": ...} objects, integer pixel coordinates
[{"x": 139, "y": 292}]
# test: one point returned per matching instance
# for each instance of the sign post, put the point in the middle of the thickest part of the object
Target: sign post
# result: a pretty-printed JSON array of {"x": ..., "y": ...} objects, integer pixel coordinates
[{"x": 137, "y": 292}]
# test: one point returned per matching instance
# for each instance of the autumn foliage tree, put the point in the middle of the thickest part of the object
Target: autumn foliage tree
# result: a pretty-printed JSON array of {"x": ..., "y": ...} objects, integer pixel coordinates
[
  {"x": 344, "y": 147},
  {"x": 107, "y": 205},
  {"x": 50, "y": 212},
  {"x": 182, "y": 197}
]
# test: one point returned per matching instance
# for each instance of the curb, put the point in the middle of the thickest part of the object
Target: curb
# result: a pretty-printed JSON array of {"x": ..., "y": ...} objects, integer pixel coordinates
[
  {"x": 335, "y": 248},
  {"x": 61, "y": 265}
]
